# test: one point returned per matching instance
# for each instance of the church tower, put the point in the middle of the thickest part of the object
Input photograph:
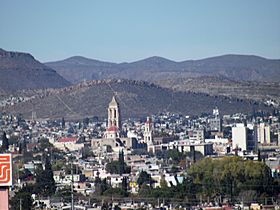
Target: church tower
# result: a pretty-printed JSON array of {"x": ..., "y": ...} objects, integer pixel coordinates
[
  {"x": 114, "y": 119},
  {"x": 148, "y": 132}
]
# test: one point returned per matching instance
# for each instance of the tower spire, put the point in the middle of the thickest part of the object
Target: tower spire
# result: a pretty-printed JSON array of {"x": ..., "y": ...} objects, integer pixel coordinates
[{"x": 114, "y": 119}]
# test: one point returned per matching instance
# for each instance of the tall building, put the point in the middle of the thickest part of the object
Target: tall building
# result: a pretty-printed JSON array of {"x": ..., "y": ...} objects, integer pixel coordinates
[
  {"x": 279, "y": 138},
  {"x": 114, "y": 119},
  {"x": 148, "y": 132},
  {"x": 263, "y": 133},
  {"x": 215, "y": 124},
  {"x": 196, "y": 135},
  {"x": 239, "y": 137}
]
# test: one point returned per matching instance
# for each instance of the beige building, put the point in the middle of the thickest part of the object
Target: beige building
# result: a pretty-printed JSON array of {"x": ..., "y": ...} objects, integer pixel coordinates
[
  {"x": 196, "y": 135},
  {"x": 114, "y": 143},
  {"x": 66, "y": 144},
  {"x": 263, "y": 133},
  {"x": 203, "y": 148}
]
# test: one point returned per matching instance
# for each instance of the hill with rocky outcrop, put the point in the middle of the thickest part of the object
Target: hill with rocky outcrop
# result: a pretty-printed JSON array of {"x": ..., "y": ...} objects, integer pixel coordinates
[
  {"x": 136, "y": 99},
  {"x": 220, "y": 86},
  {"x": 21, "y": 71}
]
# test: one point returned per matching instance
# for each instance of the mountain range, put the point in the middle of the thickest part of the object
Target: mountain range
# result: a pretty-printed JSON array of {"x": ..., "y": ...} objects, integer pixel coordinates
[
  {"x": 234, "y": 67},
  {"x": 188, "y": 87},
  {"x": 21, "y": 71}
]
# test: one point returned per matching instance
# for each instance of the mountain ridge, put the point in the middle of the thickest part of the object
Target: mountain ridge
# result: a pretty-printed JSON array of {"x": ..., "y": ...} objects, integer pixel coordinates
[{"x": 234, "y": 66}]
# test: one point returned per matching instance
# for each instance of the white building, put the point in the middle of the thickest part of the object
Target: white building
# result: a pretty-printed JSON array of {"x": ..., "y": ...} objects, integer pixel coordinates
[
  {"x": 239, "y": 137},
  {"x": 279, "y": 138}
]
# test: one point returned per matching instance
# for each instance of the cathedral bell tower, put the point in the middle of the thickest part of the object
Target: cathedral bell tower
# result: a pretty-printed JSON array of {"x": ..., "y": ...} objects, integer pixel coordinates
[
  {"x": 148, "y": 132},
  {"x": 114, "y": 119}
]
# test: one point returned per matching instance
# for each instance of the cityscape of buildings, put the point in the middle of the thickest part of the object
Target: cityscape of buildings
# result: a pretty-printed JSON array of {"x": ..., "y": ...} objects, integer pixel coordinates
[{"x": 118, "y": 151}]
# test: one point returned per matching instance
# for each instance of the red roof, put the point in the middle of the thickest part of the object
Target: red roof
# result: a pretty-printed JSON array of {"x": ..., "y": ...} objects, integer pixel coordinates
[
  {"x": 68, "y": 140},
  {"x": 113, "y": 128},
  {"x": 277, "y": 167},
  {"x": 31, "y": 146}
]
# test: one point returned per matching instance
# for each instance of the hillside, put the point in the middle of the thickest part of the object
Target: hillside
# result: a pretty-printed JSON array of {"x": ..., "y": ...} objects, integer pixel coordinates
[
  {"x": 136, "y": 99},
  {"x": 234, "y": 67},
  {"x": 22, "y": 71},
  {"x": 221, "y": 86}
]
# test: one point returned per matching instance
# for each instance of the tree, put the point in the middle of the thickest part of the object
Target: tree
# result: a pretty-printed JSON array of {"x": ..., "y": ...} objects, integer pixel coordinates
[
  {"x": 23, "y": 198},
  {"x": 124, "y": 183},
  {"x": 58, "y": 165},
  {"x": 145, "y": 191},
  {"x": 44, "y": 179},
  {"x": 115, "y": 167},
  {"x": 62, "y": 122},
  {"x": 64, "y": 194},
  {"x": 116, "y": 192},
  {"x": 121, "y": 163},
  {"x": 45, "y": 144},
  {"x": 144, "y": 178},
  {"x": 101, "y": 186},
  {"x": 175, "y": 155},
  {"x": 117, "y": 207},
  {"x": 231, "y": 176},
  {"x": 198, "y": 155},
  {"x": 23, "y": 175},
  {"x": 5, "y": 142},
  {"x": 163, "y": 183},
  {"x": 87, "y": 152},
  {"x": 86, "y": 122}
]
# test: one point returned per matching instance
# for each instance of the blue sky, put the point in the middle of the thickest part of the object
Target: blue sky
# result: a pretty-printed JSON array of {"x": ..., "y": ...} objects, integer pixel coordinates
[{"x": 128, "y": 30}]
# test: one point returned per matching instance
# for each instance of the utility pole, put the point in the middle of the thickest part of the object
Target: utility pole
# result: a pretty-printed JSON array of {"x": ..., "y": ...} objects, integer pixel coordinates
[
  {"x": 72, "y": 187},
  {"x": 20, "y": 204}
]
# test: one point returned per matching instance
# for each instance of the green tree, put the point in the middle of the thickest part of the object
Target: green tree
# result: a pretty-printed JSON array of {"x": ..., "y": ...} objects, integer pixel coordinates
[
  {"x": 116, "y": 192},
  {"x": 175, "y": 155},
  {"x": 62, "y": 123},
  {"x": 23, "y": 174},
  {"x": 101, "y": 186},
  {"x": 124, "y": 183},
  {"x": 121, "y": 163},
  {"x": 58, "y": 165},
  {"x": 65, "y": 194},
  {"x": 144, "y": 178},
  {"x": 230, "y": 176},
  {"x": 45, "y": 144},
  {"x": 5, "y": 142},
  {"x": 145, "y": 191},
  {"x": 163, "y": 183},
  {"x": 23, "y": 198},
  {"x": 44, "y": 179},
  {"x": 115, "y": 167}
]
